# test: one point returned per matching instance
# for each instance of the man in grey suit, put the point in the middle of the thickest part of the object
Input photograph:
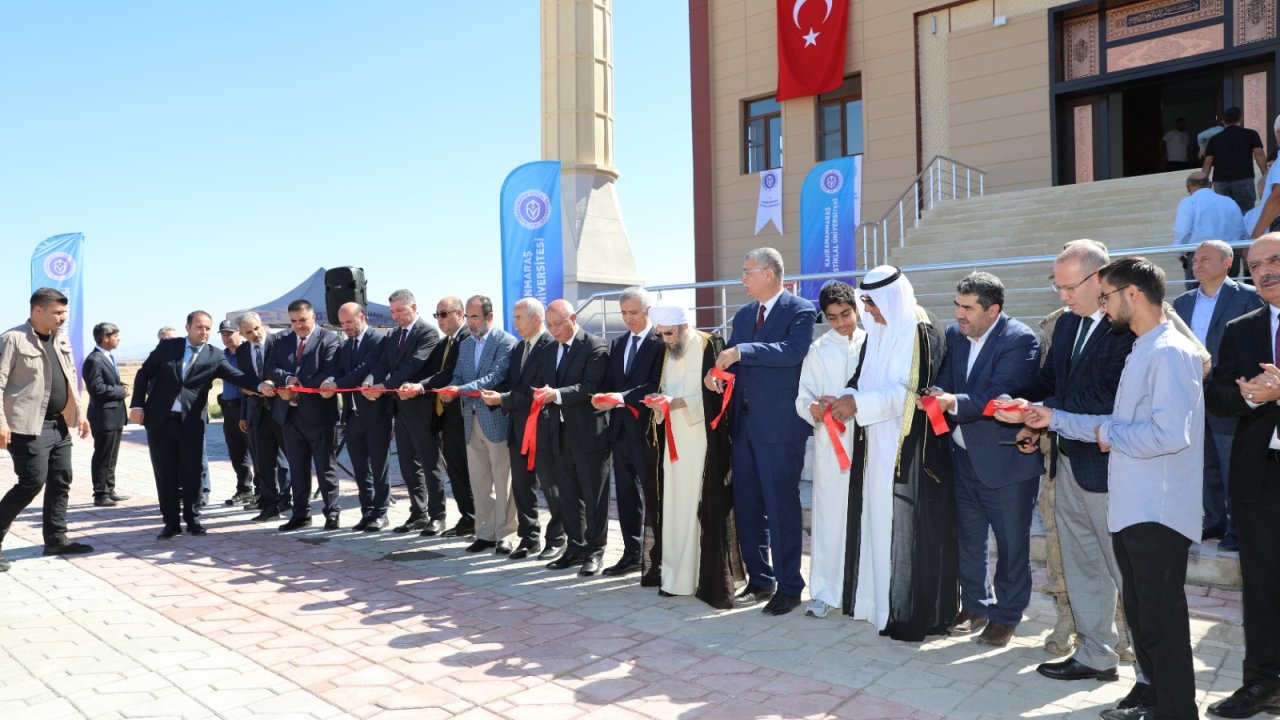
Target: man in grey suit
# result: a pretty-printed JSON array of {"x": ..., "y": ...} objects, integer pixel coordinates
[
  {"x": 482, "y": 364},
  {"x": 1207, "y": 310}
]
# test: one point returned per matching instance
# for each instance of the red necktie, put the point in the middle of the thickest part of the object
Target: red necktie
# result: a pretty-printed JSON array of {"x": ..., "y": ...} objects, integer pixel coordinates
[
  {"x": 760, "y": 318},
  {"x": 297, "y": 354}
]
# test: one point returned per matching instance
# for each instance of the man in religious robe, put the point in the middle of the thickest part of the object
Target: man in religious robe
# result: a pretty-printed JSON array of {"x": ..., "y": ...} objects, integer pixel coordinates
[
  {"x": 700, "y": 555},
  {"x": 900, "y": 548},
  {"x": 831, "y": 361}
]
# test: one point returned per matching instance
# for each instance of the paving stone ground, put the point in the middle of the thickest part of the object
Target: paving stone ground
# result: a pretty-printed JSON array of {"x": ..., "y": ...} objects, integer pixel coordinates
[{"x": 247, "y": 623}]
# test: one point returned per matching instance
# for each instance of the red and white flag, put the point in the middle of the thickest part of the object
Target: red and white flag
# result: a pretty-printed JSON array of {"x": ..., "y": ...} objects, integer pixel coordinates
[{"x": 811, "y": 41}]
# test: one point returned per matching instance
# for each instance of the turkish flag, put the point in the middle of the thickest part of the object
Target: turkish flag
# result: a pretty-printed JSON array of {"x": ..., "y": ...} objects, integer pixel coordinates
[{"x": 811, "y": 40}]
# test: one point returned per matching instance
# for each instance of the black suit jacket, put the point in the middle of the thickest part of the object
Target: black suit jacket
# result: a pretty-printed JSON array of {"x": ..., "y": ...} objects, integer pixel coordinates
[
  {"x": 254, "y": 407},
  {"x": 641, "y": 381},
  {"x": 354, "y": 367},
  {"x": 437, "y": 372},
  {"x": 584, "y": 367},
  {"x": 106, "y": 393},
  {"x": 402, "y": 363},
  {"x": 1088, "y": 387},
  {"x": 1246, "y": 342},
  {"x": 517, "y": 389},
  {"x": 160, "y": 381},
  {"x": 319, "y": 362}
]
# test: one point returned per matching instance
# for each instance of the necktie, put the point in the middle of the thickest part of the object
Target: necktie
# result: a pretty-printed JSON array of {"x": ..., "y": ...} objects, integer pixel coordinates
[
  {"x": 560, "y": 363},
  {"x": 443, "y": 359},
  {"x": 257, "y": 360},
  {"x": 631, "y": 355},
  {"x": 1276, "y": 349},
  {"x": 404, "y": 333},
  {"x": 297, "y": 354},
  {"x": 760, "y": 318},
  {"x": 187, "y": 370},
  {"x": 114, "y": 366},
  {"x": 1084, "y": 333},
  {"x": 525, "y": 357}
]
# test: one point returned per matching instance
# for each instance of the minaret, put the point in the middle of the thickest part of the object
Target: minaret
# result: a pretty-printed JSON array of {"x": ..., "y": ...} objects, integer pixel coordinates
[{"x": 577, "y": 130}]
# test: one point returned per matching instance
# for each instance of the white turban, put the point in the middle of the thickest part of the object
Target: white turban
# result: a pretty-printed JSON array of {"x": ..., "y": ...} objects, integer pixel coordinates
[{"x": 668, "y": 315}]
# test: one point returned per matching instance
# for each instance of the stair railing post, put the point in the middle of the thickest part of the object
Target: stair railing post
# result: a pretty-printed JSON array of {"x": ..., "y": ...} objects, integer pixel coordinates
[{"x": 953, "y": 181}]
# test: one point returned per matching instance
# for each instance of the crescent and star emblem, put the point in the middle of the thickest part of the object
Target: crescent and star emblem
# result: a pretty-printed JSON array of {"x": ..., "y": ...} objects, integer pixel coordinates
[{"x": 812, "y": 37}]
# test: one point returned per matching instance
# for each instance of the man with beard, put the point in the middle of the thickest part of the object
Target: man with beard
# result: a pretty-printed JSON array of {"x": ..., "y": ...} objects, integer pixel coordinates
[
  {"x": 900, "y": 557},
  {"x": 700, "y": 554},
  {"x": 1155, "y": 437}
]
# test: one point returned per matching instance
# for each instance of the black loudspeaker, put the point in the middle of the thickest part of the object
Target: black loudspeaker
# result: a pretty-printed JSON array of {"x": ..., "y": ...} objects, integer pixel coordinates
[{"x": 341, "y": 286}]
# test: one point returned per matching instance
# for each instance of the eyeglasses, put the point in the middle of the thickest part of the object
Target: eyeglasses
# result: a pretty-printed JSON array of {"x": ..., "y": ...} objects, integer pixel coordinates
[
  {"x": 1102, "y": 299},
  {"x": 746, "y": 272},
  {"x": 866, "y": 300},
  {"x": 1072, "y": 288},
  {"x": 443, "y": 315}
]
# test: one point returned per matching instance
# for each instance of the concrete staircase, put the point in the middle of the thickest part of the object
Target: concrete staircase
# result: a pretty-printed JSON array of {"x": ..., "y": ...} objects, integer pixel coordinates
[{"x": 1126, "y": 213}]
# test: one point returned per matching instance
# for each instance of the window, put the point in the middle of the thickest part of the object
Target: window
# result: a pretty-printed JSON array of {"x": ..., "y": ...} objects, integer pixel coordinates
[
  {"x": 763, "y": 150},
  {"x": 840, "y": 120}
]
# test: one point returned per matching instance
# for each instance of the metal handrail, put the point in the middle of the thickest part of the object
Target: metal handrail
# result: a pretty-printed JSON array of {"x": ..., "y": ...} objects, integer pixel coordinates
[
  {"x": 925, "y": 191},
  {"x": 723, "y": 285}
]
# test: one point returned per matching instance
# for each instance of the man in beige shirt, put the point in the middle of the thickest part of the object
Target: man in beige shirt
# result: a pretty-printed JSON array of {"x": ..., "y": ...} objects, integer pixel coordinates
[{"x": 38, "y": 384}]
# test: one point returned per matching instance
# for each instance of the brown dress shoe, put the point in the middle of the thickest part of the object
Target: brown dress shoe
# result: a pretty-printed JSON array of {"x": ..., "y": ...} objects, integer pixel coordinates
[
  {"x": 995, "y": 635},
  {"x": 966, "y": 623}
]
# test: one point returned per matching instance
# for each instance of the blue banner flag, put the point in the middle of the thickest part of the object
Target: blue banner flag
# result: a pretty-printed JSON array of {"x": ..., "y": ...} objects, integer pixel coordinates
[
  {"x": 532, "y": 244},
  {"x": 58, "y": 263},
  {"x": 830, "y": 210}
]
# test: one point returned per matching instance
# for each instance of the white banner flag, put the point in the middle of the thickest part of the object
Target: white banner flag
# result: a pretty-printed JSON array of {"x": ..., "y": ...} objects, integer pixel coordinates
[{"x": 770, "y": 207}]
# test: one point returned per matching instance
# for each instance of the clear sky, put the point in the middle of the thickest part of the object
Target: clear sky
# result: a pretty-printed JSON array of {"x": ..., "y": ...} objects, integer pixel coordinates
[{"x": 215, "y": 154}]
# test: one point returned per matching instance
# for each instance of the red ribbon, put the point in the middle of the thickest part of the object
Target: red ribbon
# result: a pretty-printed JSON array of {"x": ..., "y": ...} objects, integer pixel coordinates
[
  {"x": 454, "y": 393},
  {"x": 728, "y": 379},
  {"x": 529, "y": 446},
  {"x": 931, "y": 409},
  {"x": 834, "y": 428},
  {"x": 317, "y": 391},
  {"x": 664, "y": 405},
  {"x": 611, "y": 400},
  {"x": 995, "y": 405}
]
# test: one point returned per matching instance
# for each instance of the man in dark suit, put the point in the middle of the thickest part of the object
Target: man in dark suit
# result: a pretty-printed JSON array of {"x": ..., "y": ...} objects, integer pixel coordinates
[
  {"x": 266, "y": 437},
  {"x": 107, "y": 415},
  {"x": 231, "y": 401},
  {"x": 367, "y": 422},
  {"x": 1246, "y": 385},
  {"x": 1080, "y": 375},
  {"x": 404, "y": 359},
  {"x": 1207, "y": 310},
  {"x": 447, "y": 440},
  {"x": 635, "y": 364},
  {"x": 771, "y": 336},
  {"x": 571, "y": 436},
  {"x": 989, "y": 354},
  {"x": 170, "y": 398},
  {"x": 306, "y": 356},
  {"x": 515, "y": 396}
]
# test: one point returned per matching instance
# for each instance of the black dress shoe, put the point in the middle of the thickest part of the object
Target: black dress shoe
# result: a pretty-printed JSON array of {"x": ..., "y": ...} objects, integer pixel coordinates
[
  {"x": 265, "y": 515},
  {"x": 376, "y": 524},
  {"x": 525, "y": 549},
  {"x": 1070, "y": 669},
  {"x": 1141, "y": 695},
  {"x": 1248, "y": 701},
  {"x": 502, "y": 548},
  {"x": 410, "y": 525},
  {"x": 462, "y": 529},
  {"x": 104, "y": 502},
  {"x": 751, "y": 595},
  {"x": 1134, "y": 713},
  {"x": 781, "y": 604},
  {"x": 552, "y": 552},
  {"x": 567, "y": 560},
  {"x": 296, "y": 523},
  {"x": 626, "y": 564},
  {"x": 432, "y": 528},
  {"x": 117, "y": 496},
  {"x": 591, "y": 566},
  {"x": 241, "y": 497},
  {"x": 331, "y": 522},
  {"x": 67, "y": 548},
  {"x": 664, "y": 593},
  {"x": 362, "y": 524},
  {"x": 481, "y": 546},
  {"x": 169, "y": 531},
  {"x": 1212, "y": 533},
  {"x": 195, "y": 528}
]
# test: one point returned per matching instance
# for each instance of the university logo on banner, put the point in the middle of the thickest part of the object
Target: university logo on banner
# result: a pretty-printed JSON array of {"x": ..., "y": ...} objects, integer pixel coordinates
[
  {"x": 830, "y": 210},
  {"x": 58, "y": 263},
  {"x": 769, "y": 208},
  {"x": 532, "y": 243},
  {"x": 811, "y": 45}
]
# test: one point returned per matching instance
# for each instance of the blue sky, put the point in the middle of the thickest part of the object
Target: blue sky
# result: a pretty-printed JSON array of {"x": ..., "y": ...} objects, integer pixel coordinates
[{"x": 214, "y": 154}]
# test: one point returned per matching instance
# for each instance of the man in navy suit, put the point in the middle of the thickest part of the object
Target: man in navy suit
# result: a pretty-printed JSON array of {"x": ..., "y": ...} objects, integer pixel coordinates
[
  {"x": 635, "y": 364},
  {"x": 266, "y": 437},
  {"x": 1207, "y": 310},
  {"x": 170, "y": 398},
  {"x": 1080, "y": 375},
  {"x": 989, "y": 355},
  {"x": 367, "y": 422},
  {"x": 306, "y": 356},
  {"x": 771, "y": 336},
  {"x": 107, "y": 415}
]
